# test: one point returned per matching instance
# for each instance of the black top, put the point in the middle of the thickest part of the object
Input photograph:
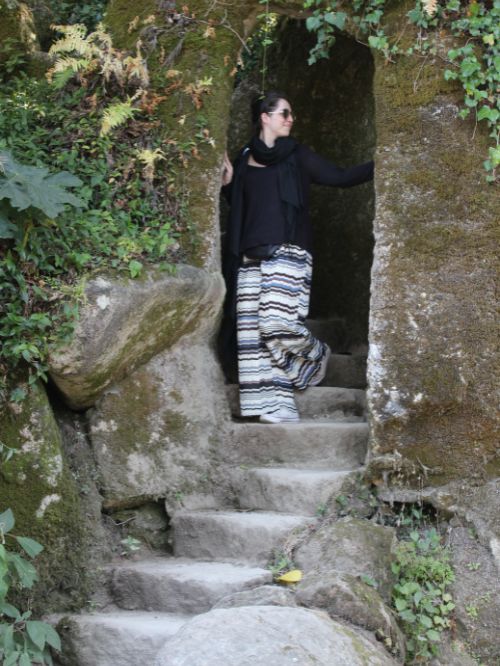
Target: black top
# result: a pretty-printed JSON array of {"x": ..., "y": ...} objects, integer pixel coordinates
[{"x": 264, "y": 220}]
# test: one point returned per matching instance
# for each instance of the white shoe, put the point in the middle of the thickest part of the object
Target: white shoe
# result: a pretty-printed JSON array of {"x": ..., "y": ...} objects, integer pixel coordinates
[
  {"x": 281, "y": 416},
  {"x": 323, "y": 368}
]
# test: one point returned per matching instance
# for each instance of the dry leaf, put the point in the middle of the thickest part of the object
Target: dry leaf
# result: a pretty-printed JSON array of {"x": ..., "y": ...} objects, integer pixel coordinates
[{"x": 133, "y": 24}]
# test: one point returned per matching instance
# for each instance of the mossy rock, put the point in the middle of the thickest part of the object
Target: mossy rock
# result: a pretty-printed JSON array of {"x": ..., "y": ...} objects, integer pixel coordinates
[
  {"x": 156, "y": 433},
  {"x": 433, "y": 341},
  {"x": 344, "y": 596},
  {"x": 125, "y": 322},
  {"x": 37, "y": 485},
  {"x": 353, "y": 546}
]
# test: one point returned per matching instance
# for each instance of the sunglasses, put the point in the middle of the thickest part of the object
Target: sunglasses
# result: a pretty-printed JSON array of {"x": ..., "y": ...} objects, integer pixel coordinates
[{"x": 286, "y": 113}]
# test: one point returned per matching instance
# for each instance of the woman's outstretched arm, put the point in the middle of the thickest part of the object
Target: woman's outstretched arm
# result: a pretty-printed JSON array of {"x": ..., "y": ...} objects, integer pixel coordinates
[{"x": 324, "y": 172}]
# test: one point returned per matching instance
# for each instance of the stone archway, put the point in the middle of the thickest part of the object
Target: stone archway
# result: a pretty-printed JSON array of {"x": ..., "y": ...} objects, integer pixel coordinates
[{"x": 333, "y": 100}]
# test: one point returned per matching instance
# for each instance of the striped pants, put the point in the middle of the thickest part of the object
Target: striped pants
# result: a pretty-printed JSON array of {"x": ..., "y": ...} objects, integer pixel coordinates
[{"x": 276, "y": 352}]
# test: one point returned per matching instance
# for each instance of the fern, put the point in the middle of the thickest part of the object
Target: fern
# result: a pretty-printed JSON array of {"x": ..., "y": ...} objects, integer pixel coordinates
[
  {"x": 74, "y": 40},
  {"x": 65, "y": 68},
  {"x": 136, "y": 68},
  {"x": 430, "y": 7},
  {"x": 112, "y": 66},
  {"x": 84, "y": 54},
  {"x": 115, "y": 115},
  {"x": 149, "y": 158}
]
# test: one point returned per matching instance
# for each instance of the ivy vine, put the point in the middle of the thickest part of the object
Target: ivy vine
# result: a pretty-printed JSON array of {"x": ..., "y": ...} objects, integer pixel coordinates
[{"x": 474, "y": 61}]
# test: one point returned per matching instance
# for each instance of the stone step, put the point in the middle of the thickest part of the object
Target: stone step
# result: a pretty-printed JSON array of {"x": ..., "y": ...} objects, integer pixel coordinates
[
  {"x": 308, "y": 444},
  {"x": 118, "y": 638},
  {"x": 232, "y": 535},
  {"x": 298, "y": 491},
  {"x": 180, "y": 585},
  {"x": 323, "y": 402},
  {"x": 346, "y": 370}
]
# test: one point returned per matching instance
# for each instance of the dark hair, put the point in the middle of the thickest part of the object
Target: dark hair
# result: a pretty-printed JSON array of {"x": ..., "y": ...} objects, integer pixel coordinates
[{"x": 264, "y": 104}]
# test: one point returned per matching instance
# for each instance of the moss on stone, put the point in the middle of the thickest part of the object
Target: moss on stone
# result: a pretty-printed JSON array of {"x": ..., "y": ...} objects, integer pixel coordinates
[{"x": 38, "y": 487}]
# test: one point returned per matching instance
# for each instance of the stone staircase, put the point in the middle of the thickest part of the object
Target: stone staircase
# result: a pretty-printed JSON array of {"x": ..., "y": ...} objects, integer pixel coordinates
[{"x": 281, "y": 476}]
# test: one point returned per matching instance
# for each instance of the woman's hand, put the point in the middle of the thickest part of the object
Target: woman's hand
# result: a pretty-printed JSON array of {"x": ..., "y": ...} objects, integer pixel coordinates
[{"x": 227, "y": 170}]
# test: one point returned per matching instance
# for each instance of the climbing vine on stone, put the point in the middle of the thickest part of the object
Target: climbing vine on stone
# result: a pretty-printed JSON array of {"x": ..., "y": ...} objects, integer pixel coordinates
[{"x": 474, "y": 60}]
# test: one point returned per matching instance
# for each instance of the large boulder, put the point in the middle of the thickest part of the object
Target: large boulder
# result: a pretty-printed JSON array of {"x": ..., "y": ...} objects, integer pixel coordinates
[
  {"x": 155, "y": 434},
  {"x": 264, "y": 595},
  {"x": 38, "y": 486},
  {"x": 264, "y": 635},
  {"x": 351, "y": 546},
  {"x": 124, "y": 322}
]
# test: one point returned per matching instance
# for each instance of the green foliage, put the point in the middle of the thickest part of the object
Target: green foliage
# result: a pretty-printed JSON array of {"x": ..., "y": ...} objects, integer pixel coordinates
[
  {"x": 23, "y": 641},
  {"x": 475, "y": 63},
  {"x": 6, "y": 452},
  {"x": 89, "y": 12},
  {"x": 115, "y": 115},
  {"x": 39, "y": 195},
  {"x": 280, "y": 563},
  {"x": 420, "y": 597},
  {"x": 131, "y": 199},
  {"x": 12, "y": 57},
  {"x": 255, "y": 53}
]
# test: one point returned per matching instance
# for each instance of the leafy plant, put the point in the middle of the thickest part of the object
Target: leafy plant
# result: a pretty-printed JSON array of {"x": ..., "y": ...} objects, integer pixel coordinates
[
  {"x": 22, "y": 641},
  {"x": 420, "y": 595},
  {"x": 256, "y": 46},
  {"x": 34, "y": 192},
  {"x": 280, "y": 564},
  {"x": 116, "y": 114},
  {"x": 6, "y": 452},
  {"x": 89, "y": 12},
  {"x": 130, "y": 546},
  {"x": 475, "y": 61},
  {"x": 12, "y": 57}
]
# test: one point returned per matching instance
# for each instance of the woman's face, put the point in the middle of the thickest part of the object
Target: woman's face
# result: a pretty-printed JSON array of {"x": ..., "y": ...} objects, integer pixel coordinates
[{"x": 279, "y": 121}]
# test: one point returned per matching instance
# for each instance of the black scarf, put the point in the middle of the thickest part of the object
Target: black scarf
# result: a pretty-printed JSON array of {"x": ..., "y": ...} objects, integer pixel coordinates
[{"x": 282, "y": 154}]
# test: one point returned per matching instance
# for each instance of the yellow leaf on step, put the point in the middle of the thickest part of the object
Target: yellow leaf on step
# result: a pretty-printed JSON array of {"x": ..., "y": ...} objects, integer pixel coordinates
[{"x": 290, "y": 576}]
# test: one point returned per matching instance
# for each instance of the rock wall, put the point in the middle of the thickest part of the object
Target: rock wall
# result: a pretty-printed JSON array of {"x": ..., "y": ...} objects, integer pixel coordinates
[{"x": 434, "y": 360}]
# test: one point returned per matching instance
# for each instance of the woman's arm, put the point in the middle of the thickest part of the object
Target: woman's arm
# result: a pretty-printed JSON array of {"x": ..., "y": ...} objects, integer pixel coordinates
[
  {"x": 227, "y": 170},
  {"x": 227, "y": 178},
  {"x": 323, "y": 172}
]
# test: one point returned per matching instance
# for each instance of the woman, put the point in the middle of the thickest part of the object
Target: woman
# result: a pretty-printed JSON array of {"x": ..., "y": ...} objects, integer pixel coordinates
[{"x": 268, "y": 251}]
